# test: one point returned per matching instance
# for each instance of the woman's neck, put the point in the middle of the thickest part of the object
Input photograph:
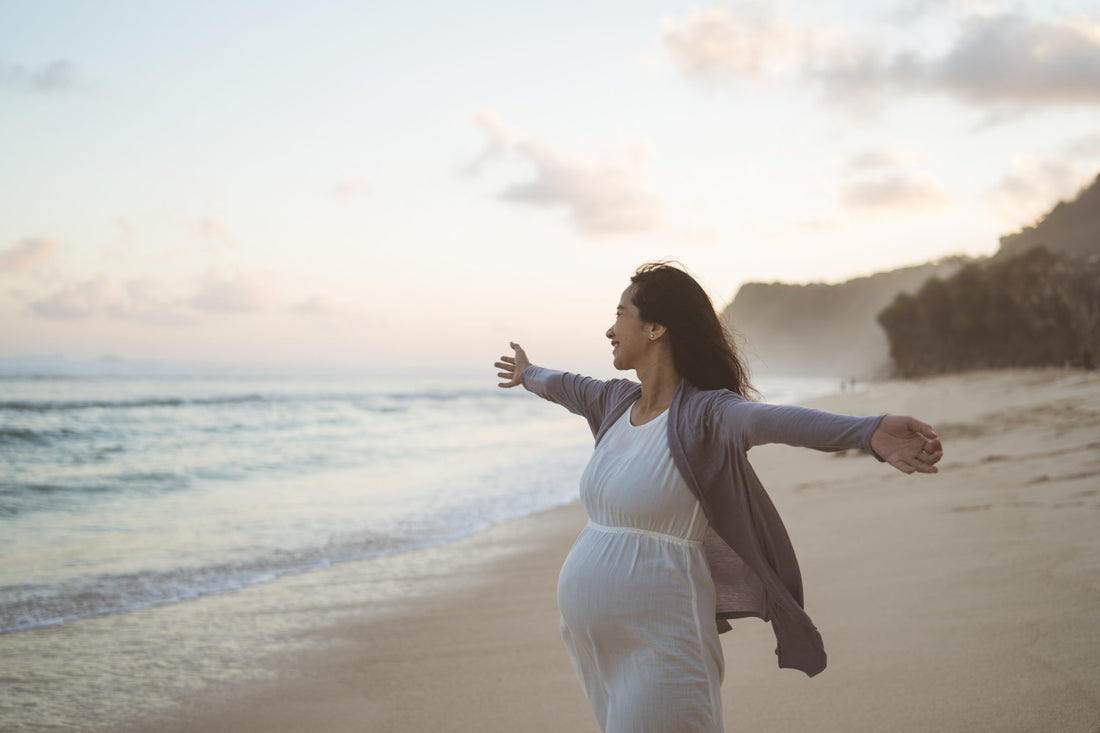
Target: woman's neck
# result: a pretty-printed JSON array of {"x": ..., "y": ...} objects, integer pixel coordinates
[{"x": 659, "y": 382}]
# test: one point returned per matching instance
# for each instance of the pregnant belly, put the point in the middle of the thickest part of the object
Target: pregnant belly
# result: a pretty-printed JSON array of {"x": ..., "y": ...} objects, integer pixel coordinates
[{"x": 612, "y": 581}]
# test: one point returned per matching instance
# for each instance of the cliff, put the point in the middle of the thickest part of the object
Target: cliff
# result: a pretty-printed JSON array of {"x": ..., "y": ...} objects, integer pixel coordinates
[{"x": 823, "y": 330}]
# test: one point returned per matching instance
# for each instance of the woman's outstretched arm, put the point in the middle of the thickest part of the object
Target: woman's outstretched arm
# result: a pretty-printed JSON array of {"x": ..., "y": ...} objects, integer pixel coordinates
[
  {"x": 904, "y": 442},
  {"x": 577, "y": 393}
]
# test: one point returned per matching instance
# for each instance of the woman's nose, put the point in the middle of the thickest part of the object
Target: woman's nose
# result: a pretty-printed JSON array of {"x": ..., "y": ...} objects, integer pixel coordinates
[{"x": 610, "y": 333}]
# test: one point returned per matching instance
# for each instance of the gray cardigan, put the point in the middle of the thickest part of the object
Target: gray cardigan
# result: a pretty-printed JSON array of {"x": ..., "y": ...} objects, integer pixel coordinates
[{"x": 709, "y": 434}]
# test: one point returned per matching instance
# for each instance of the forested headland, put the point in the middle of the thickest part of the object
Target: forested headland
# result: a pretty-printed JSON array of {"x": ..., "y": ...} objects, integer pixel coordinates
[{"x": 1035, "y": 303}]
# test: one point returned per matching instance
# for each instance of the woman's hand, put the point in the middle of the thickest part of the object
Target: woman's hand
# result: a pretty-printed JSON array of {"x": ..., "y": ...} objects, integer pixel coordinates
[
  {"x": 511, "y": 367},
  {"x": 907, "y": 444}
]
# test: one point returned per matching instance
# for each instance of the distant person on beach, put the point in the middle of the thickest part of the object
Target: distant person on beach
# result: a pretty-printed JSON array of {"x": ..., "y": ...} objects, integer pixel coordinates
[{"x": 681, "y": 534}]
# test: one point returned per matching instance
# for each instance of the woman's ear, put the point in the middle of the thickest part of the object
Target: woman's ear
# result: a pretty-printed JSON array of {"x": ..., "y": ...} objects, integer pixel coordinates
[{"x": 656, "y": 331}]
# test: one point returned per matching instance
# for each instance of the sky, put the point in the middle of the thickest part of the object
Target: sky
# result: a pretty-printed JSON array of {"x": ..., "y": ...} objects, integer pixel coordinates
[{"x": 414, "y": 185}]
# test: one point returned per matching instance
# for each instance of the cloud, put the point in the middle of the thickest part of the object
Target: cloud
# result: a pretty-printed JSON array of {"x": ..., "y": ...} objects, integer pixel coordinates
[
  {"x": 911, "y": 10},
  {"x": 79, "y": 301},
  {"x": 603, "y": 198},
  {"x": 1034, "y": 185},
  {"x": 230, "y": 294},
  {"x": 889, "y": 181},
  {"x": 56, "y": 76},
  {"x": 151, "y": 301},
  {"x": 893, "y": 192},
  {"x": 142, "y": 300},
  {"x": 125, "y": 240},
  {"x": 1085, "y": 147},
  {"x": 314, "y": 306},
  {"x": 1011, "y": 58},
  {"x": 212, "y": 229},
  {"x": 877, "y": 159},
  {"x": 746, "y": 42},
  {"x": 127, "y": 232},
  {"x": 349, "y": 188},
  {"x": 997, "y": 59},
  {"x": 28, "y": 254},
  {"x": 136, "y": 300}
]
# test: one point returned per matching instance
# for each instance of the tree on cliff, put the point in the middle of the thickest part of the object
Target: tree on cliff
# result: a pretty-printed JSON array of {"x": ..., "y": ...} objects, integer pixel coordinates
[{"x": 1035, "y": 309}]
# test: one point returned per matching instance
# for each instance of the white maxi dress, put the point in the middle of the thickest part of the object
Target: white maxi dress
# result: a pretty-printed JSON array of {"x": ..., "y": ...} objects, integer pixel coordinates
[{"x": 636, "y": 595}]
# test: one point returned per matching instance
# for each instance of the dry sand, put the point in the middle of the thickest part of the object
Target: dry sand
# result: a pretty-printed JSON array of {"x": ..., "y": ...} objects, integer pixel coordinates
[{"x": 964, "y": 601}]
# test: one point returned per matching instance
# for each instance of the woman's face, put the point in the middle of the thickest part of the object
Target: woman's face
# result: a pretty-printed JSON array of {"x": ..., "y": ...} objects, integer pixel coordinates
[{"x": 629, "y": 334}]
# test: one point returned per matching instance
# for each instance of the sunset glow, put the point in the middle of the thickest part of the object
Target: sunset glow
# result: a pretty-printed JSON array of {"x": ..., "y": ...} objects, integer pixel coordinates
[{"x": 365, "y": 184}]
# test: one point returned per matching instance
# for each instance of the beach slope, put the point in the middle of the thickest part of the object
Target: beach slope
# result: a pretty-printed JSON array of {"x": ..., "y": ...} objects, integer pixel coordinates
[{"x": 964, "y": 601}]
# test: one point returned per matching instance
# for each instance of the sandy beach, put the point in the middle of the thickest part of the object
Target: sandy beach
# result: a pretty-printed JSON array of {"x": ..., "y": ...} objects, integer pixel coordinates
[{"x": 964, "y": 601}]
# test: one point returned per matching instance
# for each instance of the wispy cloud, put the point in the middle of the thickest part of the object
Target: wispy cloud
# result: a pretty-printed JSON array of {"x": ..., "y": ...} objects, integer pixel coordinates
[
  {"x": 143, "y": 300},
  {"x": 1087, "y": 146},
  {"x": 127, "y": 232},
  {"x": 604, "y": 198},
  {"x": 153, "y": 301},
  {"x": 213, "y": 230},
  {"x": 893, "y": 192},
  {"x": 1034, "y": 185},
  {"x": 139, "y": 300},
  {"x": 28, "y": 254},
  {"x": 997, "y": 59},
  {"x": 871, "y": 160},
  {"x": 747, "y": 42},
  {"x": 349, "y": 188},
  {"x": 84, "y": 299},
  {"x": 230, "y": 293},
  {"x": 890, "y": 181},
  {"x": 907, "y": 11},
  {"x": 56, "y": 76},
  {"x": 1002, "y": 59},
  {"x": 314, "y": 306}
]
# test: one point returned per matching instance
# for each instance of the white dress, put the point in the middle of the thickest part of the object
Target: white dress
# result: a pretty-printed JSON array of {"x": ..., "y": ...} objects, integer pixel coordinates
[{"x": 636, "y": 596}]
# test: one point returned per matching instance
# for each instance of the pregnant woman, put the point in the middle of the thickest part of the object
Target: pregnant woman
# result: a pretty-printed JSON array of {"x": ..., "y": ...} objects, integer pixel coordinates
[{"x": 681, "y": 535}]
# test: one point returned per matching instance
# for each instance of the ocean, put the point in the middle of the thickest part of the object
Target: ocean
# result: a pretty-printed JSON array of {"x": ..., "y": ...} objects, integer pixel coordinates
[
  {"x": 120, "y": 493},
  {"x": 123, "y": 493}
]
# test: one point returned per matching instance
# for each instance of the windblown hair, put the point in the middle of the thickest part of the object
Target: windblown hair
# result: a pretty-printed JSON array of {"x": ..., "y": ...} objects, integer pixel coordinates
[{"x": 702, "y": 349}]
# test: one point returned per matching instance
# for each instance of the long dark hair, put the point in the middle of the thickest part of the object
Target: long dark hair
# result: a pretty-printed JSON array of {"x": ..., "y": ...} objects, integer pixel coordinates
[{"x": 702, "y": 349}]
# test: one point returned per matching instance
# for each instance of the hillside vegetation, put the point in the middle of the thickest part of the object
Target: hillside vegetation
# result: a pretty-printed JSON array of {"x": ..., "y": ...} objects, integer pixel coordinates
[
  {"x": 1035, "y": 303},
  {"x": 1038, "y": 308}
]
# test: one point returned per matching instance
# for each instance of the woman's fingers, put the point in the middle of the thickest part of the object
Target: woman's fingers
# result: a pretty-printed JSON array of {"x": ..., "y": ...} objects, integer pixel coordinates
[
  {"x": 932, "y": 441},
  {"x": 924, "y": 461},
  {"x": 902, "y": 466},
  {"x": 931, "y": 453},
  {"x": 512, "y": 366}
]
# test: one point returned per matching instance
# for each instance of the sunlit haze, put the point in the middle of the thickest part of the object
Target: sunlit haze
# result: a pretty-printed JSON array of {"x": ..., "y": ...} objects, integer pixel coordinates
[{"x": 378, "y": 184}]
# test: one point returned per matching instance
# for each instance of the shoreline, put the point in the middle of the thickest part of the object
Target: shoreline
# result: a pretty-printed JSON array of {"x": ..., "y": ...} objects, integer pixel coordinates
[
  {"x": 960, "y": 601},
  {"x": 483, "y": 606}
]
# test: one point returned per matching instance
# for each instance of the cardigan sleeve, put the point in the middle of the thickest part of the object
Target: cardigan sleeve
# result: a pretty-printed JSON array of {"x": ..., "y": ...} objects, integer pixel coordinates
[
  {"x": 758, "y": 423},
  {"x": 581, "y": 395}
]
